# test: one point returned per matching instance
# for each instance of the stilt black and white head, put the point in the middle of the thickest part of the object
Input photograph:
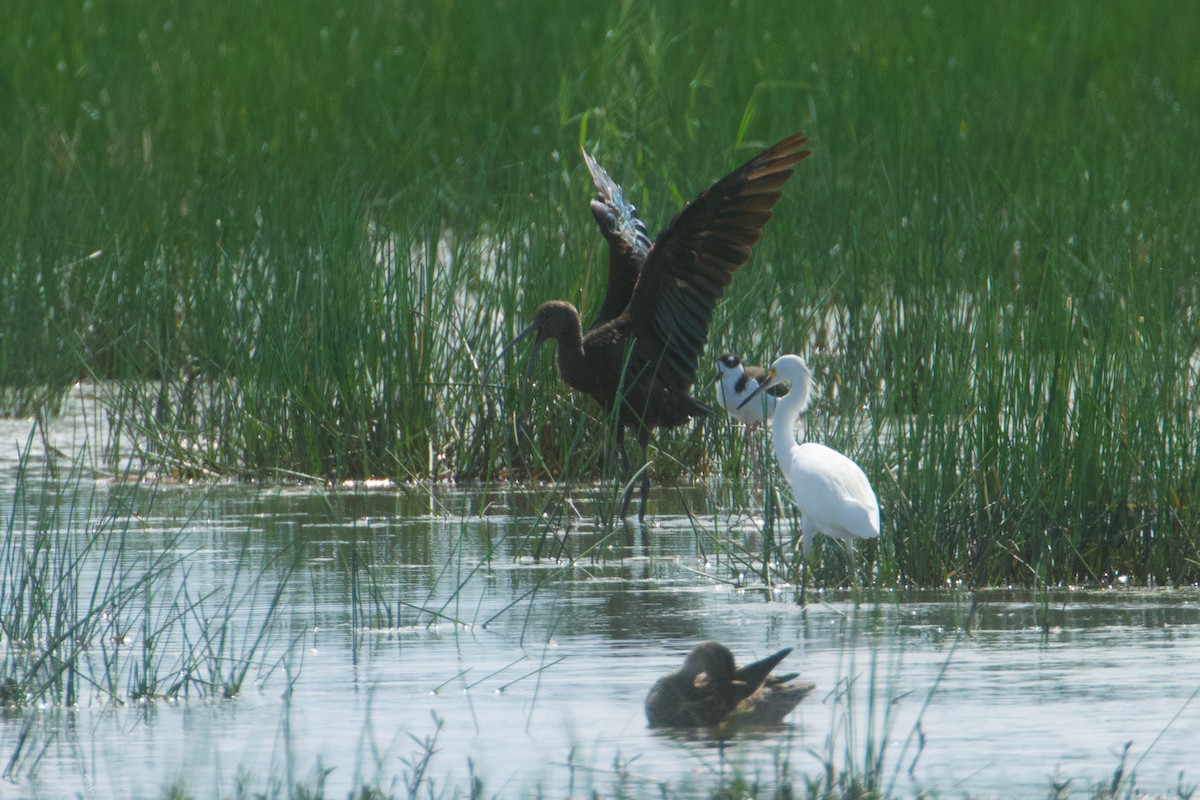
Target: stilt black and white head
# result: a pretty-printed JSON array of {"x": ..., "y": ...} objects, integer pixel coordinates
[{"x": 737, "y": 382}]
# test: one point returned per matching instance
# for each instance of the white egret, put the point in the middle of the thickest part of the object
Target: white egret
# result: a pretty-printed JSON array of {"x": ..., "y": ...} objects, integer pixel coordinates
[{"x": 832, "y": 492}]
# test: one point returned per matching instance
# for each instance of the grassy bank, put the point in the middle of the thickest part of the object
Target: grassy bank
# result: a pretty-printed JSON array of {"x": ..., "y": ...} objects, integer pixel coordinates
[{"x": 307, "y": 229}]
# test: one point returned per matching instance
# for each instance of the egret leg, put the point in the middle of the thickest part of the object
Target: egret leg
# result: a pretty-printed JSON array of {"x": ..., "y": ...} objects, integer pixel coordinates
[
  {"x": 805, "y": 546},
  {"x": 804, "y": 581}
]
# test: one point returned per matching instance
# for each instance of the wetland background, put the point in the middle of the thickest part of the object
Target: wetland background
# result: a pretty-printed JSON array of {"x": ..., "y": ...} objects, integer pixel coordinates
[{"x": 257, "y": 251}]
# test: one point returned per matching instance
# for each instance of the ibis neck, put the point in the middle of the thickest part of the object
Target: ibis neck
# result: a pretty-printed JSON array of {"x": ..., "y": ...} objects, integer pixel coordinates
[{"x": 571, "y": 367}]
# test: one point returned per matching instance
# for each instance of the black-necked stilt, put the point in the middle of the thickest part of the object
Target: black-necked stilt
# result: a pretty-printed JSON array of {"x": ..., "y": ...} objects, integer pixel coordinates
[{"x": 738, "y": 381}]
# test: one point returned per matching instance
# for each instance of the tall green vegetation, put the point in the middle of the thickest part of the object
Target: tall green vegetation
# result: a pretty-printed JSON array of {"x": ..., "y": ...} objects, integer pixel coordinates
[{"x": 295, "y": 236}]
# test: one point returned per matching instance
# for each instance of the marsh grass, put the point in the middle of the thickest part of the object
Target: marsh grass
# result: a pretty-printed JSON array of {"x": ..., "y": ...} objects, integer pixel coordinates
[
  {"x": 83, "y": 619},
  {"x": 620, "y": 782},
  {"x": 295, "y": 238}
]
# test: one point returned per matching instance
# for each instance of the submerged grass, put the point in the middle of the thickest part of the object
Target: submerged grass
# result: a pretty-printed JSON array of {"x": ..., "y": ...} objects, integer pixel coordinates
[
  {"x": 85, "y": 620},
  {"x": 296, "y": 237},
  {"x": 866, "y": 755}
]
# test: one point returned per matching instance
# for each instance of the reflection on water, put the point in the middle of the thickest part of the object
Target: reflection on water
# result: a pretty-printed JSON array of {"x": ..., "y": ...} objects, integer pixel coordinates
[{"x": 421, "y": 614}]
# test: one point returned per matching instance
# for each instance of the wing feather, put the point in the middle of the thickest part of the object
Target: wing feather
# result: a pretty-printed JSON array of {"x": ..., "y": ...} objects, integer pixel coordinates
[
  {"x": 691, "y": 262},
  {"x": 628, "y": 241}
]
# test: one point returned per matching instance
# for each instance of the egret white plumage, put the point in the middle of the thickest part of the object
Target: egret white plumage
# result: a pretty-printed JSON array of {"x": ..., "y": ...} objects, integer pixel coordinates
[
  {"x": 832, "y": 492},
  {"x": 738, "y": 381}
]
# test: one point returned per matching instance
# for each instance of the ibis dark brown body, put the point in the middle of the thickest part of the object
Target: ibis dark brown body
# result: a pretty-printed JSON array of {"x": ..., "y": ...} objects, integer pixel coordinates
[
  {"x": 710, "y": 689},
  {"x": 643, "y": 348}
]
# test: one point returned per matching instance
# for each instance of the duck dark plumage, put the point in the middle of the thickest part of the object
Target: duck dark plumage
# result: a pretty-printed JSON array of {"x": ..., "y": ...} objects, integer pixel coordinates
[{"x": 710, "y": 689}]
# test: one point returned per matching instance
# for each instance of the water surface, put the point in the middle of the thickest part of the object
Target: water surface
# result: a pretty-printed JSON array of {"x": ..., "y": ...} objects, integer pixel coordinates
[{"x": 421, "y": 614}]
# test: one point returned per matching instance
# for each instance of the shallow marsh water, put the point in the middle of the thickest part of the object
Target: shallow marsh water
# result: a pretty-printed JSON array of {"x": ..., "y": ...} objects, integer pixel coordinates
[{"x": 420, "y": 613}]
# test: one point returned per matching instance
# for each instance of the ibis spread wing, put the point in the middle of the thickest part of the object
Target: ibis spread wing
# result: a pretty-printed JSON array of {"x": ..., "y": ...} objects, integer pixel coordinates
[
  {"x": 694, "y": 258},
  {"x": 628, "y": 242}
]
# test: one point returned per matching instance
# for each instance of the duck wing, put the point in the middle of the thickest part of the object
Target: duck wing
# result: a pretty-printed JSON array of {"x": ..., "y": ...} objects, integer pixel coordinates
[
  {"x": 694, "y": 258},
  {"x": 628, "y": 242},
  {"x": 750, "y": 677},
  {"x": 677, "y": 701}
]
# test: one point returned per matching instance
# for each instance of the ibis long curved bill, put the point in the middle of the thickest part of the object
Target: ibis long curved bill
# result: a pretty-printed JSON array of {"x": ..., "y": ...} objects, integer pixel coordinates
[{"x": 504, "y": 351}]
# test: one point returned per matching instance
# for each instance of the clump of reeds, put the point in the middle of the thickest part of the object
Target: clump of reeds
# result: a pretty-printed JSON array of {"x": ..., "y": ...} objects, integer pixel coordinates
[
  {"x": 83, "y": 619},
  {"x": 991, "y": 258}
]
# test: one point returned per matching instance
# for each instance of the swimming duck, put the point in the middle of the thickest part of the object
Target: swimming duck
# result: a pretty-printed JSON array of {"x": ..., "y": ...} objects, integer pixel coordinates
[{"x": 711, "y": 690}]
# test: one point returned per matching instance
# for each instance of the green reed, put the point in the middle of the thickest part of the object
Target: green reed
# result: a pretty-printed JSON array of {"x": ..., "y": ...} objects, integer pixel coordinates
[
  {"x": 84, "y": 620},
  {"x": 296, "y": 239}
]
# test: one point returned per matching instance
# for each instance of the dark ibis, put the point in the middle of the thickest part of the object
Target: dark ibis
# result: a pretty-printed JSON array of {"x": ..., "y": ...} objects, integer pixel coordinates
[
  {"x": 642, "y": 350},
  {"x": 711, "y": 690}
]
